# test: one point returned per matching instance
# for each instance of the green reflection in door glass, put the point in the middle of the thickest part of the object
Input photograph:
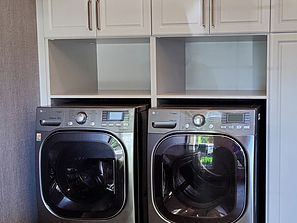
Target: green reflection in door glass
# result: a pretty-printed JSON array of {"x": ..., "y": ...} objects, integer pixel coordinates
[
  {"x": 205, "y": 146},
  {"x": 206, "y": 160}
]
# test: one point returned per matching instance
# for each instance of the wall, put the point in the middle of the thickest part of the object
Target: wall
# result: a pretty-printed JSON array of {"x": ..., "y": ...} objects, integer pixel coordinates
[{"x": 18, "y": 98}]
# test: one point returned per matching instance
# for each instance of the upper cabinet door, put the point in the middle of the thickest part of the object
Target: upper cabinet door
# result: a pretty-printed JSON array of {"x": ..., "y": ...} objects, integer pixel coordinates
[
  {"x": 68, "y": 18},
  {"x": 239, "y": 16},
  {"x": 87, "y": 18},
  {"x": 123, "y": 17},
  {"x": 283, "y": 15},
  {"x": 180, "y": 17}
]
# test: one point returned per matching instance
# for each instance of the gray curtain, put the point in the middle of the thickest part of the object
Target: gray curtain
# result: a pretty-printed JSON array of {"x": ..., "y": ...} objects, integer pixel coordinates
[{"x": 19, "y": 96}]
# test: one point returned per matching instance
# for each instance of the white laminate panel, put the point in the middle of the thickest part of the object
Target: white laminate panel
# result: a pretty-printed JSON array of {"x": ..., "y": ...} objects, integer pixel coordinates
[
  {"x": 287, "y": 125},
  {"x": 230, "y": 65},
  {"x": 123, "y": 65},
  {"x": 283, "y": 16},
  {"x": 240, "y": 16},
  {"x": 180, "y": 17},
  {"x": 72, "y": 66},
  {"x": 120, "y": 13},
  {"x": 281, "y": 128}
]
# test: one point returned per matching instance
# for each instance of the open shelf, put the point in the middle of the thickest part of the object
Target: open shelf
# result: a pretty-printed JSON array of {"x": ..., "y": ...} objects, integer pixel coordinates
[
  {"x": 103, "y": 68},
  {"x": 108, "y": 94},
  {"x": 212, "y": 67},
  {"x": 219, "y": 94}
]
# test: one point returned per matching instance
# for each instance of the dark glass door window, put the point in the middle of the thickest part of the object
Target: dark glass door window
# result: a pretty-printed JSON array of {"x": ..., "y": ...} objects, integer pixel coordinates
[
  {"x": 83, "y": 174},
  {"x": 199, "y": 178}
]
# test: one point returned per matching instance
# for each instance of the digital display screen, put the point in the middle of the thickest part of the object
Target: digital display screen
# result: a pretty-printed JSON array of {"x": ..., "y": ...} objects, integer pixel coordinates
[
  {"x": 115, "y": 116},
  {"x": 235, "y": 118}
]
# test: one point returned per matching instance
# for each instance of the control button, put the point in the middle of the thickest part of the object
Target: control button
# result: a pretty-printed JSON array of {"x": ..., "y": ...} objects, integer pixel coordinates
[
  {"x": 223, "y": 127},
  {"x": 238, "y": 127},
  {"x": 70, "y": 123},
  {"x": 110, "y": 124},
  {"x": 125, "y": 124},
  {"x": 246, "y": 127},
  {"x": 103, "y": 124},
  {"x": 81, "y": 118},
  {"x": 92, "y": 123},
  {"x": 199, "y": 120},
  {"x": 118, "y": 125},
  {"x": 187, "y": 126},
  {"x": 231, "y": 127},
  {"x": 211, "y": 126}
]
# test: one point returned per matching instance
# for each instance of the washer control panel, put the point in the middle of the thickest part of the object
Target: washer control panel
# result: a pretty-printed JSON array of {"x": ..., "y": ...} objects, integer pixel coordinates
[
  {"x": 232, "y": 121},
  {"x": 113, "y": 119}
]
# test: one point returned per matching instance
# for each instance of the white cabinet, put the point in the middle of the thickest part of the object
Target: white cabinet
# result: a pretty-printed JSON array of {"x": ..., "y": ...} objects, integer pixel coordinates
[
  {"x": 283, "y": 16},
  {"x": 209, "y": 16},
  {"x": 239, "y": 16},
  {"x": 282, "y": 153},
  {"x": 90, "y": 18},
  {"x": 67, "y": 18},
  {"x": 180, "y": 17}
]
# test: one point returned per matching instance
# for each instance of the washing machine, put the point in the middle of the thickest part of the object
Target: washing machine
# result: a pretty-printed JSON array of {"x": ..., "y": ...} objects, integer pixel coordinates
[
  {"x": 203, "y": 165},
  {"x": 89, "y": 163}
]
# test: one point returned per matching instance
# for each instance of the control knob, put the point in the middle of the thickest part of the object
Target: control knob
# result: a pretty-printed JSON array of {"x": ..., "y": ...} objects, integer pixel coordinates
[
  {"x": 199, "y": 120},
  {"x": 81, "y": 118}
]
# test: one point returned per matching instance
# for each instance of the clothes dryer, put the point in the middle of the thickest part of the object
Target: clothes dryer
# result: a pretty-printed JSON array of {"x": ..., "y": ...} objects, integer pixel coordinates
[
  {"x": 203, "y": 165},
  {"x": 88, "y": 163}
]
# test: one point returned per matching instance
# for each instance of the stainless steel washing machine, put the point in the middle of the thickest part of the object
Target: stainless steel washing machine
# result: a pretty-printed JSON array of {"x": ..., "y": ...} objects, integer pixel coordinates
[
  {"x": 88, "y": 163},
  {"x": 203, "y": 165}
]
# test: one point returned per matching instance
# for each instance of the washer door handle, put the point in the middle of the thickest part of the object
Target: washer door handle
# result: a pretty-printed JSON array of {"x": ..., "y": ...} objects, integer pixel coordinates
[{"x": 165, "y": 125}]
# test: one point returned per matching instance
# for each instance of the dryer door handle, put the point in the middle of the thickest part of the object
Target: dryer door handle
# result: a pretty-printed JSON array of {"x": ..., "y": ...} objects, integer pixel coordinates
[
  {"x": 50, "y": 122},
  {"x": 165, "y": 125}
]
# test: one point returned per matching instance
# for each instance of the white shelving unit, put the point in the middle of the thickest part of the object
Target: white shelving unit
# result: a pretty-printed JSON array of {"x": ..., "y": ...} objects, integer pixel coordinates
[
  {"x": 102, "y": 68},
  {"x": 212, "y": 67},
  {"x": 220, "y": 67}
]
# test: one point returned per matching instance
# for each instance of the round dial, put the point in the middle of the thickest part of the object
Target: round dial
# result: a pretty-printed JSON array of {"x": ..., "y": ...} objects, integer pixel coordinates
[
  {"x": 199, "y": 120},
  {"x": 81, "y": 118}
]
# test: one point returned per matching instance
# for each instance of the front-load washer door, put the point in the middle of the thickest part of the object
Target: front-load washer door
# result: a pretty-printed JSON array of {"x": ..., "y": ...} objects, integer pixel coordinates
[
  {"x": 199, "y": 178},
  {"x": 82, "y": 174}
]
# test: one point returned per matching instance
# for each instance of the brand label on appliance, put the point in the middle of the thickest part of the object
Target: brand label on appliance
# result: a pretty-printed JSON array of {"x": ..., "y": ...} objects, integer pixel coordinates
[{"x": 38, "y": 137}]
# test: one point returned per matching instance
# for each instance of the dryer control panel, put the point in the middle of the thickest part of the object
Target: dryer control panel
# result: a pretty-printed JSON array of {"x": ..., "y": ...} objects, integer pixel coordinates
[
  {"x": 240, "y": 121},
  {"x": 112, "y": 119}
]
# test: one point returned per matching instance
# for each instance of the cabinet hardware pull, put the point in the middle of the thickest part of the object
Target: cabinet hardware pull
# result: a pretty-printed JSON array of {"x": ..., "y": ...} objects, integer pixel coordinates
[
  {"x": 203, "y": 22},
  {"x": 90, "y": 15},
  {"x": 212, "y": 14},
  {"x": 98, "y": 14}
]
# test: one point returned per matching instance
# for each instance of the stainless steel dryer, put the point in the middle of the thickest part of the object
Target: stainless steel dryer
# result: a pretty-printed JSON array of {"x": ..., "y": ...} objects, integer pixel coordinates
[
  {"x": 202, "y": 165},
  {"x": 88, "y": 163}
]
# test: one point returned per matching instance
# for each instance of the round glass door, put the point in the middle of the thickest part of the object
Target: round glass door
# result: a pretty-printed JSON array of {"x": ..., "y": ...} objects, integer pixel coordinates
[
  {"x": 83, "y": 174},
  {"x": 199, "y": 178}
]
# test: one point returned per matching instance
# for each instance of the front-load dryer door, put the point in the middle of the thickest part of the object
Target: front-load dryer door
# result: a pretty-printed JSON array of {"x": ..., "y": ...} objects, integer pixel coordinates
[
  {"x": 82, "y": 174},
  {"x": 199, "y": 178}
]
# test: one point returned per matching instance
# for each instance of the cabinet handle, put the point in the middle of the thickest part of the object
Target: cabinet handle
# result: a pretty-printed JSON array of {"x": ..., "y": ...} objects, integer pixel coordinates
[
  {"x": 212, "y": 14},
  {"x": 90, "y": 15},
  {"x": 203, "y": 22},
  {"x": 98, "y": 14}
]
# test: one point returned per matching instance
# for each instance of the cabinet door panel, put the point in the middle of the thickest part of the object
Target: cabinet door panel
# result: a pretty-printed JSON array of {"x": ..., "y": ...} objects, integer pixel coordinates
[
  {"x": 282, "y": 130},
  {"x": 67, "y": 18},
  {"x": 283, "y": 15},
  {"x": 180, "y": 16},
  {"x": 129, "y": 17},
  {"x": 239, "y": 16}
]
